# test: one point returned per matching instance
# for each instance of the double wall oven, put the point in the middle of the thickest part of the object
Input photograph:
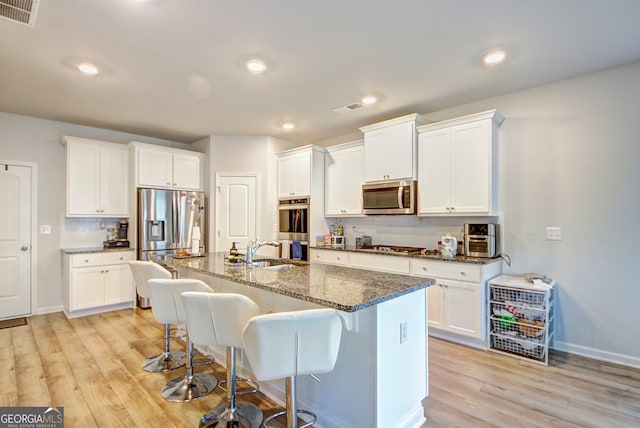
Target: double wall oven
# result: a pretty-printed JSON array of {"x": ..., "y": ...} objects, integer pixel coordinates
[{"x": 293, "y": 228}]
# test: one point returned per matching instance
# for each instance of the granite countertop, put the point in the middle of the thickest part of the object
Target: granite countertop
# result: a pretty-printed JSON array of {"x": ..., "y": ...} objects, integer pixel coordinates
[
  {"x": 435, "y": 257},
  {"x": 86, "y": 250},
  {"x": 342, "y": 288}
]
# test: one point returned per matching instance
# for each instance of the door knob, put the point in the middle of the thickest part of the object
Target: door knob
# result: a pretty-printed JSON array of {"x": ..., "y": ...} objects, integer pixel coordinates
[{"x": 24, "y": 248}]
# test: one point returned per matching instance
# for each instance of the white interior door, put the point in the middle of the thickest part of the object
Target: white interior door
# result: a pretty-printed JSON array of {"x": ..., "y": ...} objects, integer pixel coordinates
[
  {"x": 236, "y": 207},
  {"x": 15, "y": 241}
]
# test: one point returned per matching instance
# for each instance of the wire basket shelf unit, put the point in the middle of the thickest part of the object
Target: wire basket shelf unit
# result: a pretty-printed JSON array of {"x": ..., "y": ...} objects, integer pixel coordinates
[{"x": 520, "y": 320}]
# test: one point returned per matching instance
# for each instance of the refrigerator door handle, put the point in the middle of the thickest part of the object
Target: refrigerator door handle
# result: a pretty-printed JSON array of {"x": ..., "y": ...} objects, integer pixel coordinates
[{"x": 176, "y": 218}]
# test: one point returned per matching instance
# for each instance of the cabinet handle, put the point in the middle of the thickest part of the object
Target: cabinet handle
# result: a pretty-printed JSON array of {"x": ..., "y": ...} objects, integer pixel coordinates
[
  {"x": 86, "y": 261},
  {"x": 168, "y": 183},
  {"x": 463, "y": 273},
  {"x": 424, "y": 268},
  {"x": 337, "y": 258},
  {"x": 101, "y": 271},
  {"x": 106, "y": 271},
  {"x": 121, "y": 258},
  {"x": 175, "y": 184}
]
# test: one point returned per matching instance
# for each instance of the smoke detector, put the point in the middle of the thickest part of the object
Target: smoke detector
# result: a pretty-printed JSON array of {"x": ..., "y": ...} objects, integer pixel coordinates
[{"x": 21, "y": 11}]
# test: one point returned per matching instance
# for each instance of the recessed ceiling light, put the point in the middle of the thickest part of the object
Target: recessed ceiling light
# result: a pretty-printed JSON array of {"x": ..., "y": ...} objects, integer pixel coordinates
[
  {"x": 368, "y": 100},
  {"x": 88, "y": 69},
  {"x": 288, "y": 125},
  {"x": 494, "y": 57},
  {"x": 256, "y": 66}
]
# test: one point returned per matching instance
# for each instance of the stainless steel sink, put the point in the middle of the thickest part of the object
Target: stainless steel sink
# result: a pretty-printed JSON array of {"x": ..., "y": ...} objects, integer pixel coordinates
[{"x": 272, "y": 264}]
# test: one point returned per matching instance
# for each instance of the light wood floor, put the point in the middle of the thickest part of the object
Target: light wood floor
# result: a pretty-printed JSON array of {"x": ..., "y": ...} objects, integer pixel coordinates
[{"x": 91, "y": 366}]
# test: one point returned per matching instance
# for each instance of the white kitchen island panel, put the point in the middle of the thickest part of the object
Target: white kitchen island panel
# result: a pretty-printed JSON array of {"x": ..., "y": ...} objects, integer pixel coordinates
[{"x": 380, "y": 377}]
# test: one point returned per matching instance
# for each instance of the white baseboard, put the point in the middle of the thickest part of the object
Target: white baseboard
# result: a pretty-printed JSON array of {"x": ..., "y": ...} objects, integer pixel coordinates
[
  {"x": 48, "y": 310},
  {"x": 457, "y": 338},
  {"x": 414, "y": 419},
  {"x": 598, "y": 354}
]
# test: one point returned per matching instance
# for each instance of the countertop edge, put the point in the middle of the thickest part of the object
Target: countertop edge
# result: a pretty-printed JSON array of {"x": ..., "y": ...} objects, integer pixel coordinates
[
  {"x": 432, "y": 257},
  {"x": 427, "y": 282},
  {"x": 88, "y": 250}
]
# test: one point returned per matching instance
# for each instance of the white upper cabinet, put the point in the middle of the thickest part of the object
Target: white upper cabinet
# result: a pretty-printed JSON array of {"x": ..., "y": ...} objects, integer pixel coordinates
[
  {"x": 457, "y": 165},
  {"x": 154, "y": 168},
  {"x": 97, "y": 178},
  {"x": 390, "y": 149},
  {"x": 344, "y": 175},
  {"x": 294, "y": 174},
  {"x": 167, "y": 168},
  {"x": 301, "y": 174}
]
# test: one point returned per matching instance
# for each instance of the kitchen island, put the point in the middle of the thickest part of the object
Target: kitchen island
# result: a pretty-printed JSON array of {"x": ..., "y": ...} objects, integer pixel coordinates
[{"x": 380, "y": 377}]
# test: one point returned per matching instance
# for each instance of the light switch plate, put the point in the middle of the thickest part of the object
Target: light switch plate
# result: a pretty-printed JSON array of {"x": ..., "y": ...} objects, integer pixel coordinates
[
  {"x": 554, "y": 234},
  {"x": 45, "y": 229}
]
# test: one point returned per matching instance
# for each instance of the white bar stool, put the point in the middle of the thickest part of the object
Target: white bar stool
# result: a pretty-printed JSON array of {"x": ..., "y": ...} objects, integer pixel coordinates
[
  {"x": 288, "y": 344},
  {"x": 142, "y": 272},
  {"x": 167, "y": 302},
  {"x": 219, "y": 319}
]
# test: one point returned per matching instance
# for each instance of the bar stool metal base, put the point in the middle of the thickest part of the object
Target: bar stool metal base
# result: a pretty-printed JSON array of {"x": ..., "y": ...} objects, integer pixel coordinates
[
  {"x": 189, "y": 388},
  {"x": 299, "y": 411},
  {"x": 244, "y": 415},
  {"x": 200, "y": 359},
  {"x": 164, "y": 362},
  {"x": 254, "y": 385},
  {"x": 291, "y": 409}
]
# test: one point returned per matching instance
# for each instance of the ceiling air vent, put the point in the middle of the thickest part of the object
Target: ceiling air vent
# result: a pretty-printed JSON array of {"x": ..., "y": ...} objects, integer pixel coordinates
[
  {"x": 22, "y": 11},
  {"x": 347, "y": 108}
]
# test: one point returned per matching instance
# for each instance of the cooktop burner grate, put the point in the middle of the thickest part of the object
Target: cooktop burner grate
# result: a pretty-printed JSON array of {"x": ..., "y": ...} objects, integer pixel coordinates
[{"x": 393, "y": 249}]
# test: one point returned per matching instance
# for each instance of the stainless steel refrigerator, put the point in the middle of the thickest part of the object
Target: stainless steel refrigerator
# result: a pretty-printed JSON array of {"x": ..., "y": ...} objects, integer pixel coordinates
[{"x": 166, "y": 222}]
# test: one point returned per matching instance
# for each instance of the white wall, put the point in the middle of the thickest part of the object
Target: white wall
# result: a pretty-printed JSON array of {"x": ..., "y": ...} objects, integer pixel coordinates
[
  {"x": 249, "y": 154},
  {"x": 28, "y": 139},
  {"x": 568, "y": 157}
]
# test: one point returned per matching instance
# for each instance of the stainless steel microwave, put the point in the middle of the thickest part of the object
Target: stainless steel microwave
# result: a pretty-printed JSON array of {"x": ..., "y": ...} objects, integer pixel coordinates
[{"x": 389, "y": 197}]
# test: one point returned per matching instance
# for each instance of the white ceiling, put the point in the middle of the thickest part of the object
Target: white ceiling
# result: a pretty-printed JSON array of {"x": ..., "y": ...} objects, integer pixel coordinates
[{"x": 173, "y": 69}]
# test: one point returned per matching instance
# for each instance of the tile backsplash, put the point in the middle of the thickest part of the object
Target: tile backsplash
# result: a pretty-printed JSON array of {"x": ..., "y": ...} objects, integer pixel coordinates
[
  {"x": 412, "y": 231},
  {"x": 86, "y": 232}
]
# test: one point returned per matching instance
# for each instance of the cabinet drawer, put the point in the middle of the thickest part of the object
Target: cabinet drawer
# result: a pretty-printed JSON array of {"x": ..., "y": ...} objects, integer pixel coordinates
[
  {"x": 98, "y": 259},
  {"x": 393, "y": 264},
  {"x": 458, "y": 271},
  {"x": 330, "y": 257}
]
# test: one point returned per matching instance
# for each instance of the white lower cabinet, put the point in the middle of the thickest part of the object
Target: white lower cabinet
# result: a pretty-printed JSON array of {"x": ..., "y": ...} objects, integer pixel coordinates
[
  {"x": 97, "y": 282},
  {"x": 458, "y": 299},
  {"x": 393, "y": 264},
  {"x": 330, "y": 257},
  {"x": 456, "y": 303},
  {"x": 378, "y": 262},
  {"x": 456, "y": 306}
]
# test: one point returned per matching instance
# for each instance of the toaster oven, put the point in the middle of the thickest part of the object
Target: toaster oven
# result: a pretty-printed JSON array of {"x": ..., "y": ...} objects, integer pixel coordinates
[{"x": 480, "y": 240}]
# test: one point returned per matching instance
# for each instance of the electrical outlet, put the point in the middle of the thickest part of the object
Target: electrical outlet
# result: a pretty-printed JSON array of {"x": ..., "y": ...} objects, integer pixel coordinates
[
  {"x": 45, "y": 229},
  {"x": 554, "y": 234}
]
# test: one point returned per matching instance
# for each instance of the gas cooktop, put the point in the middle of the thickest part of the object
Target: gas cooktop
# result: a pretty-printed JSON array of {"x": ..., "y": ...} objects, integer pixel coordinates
[{"x": 393, "y": 249}]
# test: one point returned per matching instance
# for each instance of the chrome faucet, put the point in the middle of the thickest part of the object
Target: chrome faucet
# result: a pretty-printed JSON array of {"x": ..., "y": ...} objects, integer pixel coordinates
[{"x": 255, "y": 245}]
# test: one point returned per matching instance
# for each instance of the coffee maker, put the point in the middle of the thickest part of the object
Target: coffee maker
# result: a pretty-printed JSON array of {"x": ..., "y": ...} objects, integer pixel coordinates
[{"x": 120, "y": 239}]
